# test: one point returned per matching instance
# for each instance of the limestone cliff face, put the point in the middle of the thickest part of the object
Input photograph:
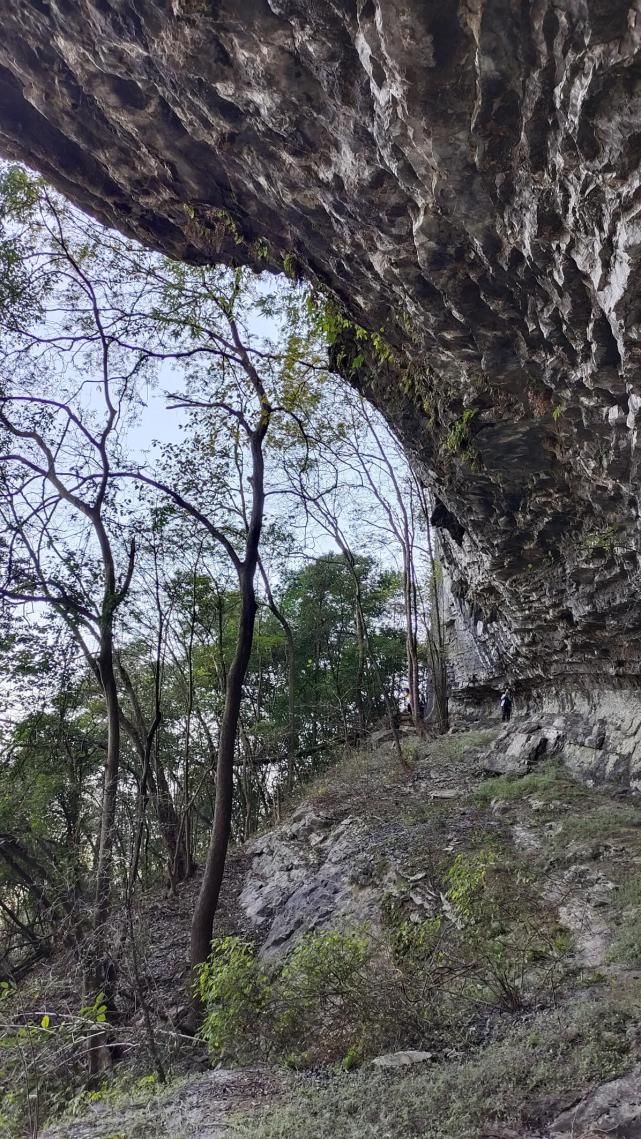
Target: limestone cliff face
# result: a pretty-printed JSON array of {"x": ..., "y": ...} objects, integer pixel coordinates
[{"x": 464, "y": 176}]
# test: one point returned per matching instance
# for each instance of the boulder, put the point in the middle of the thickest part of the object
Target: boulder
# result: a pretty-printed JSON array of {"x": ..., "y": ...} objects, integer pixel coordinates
[
  {"x": 517, "y": 753},
  {"x": 612, "y": 1109}
]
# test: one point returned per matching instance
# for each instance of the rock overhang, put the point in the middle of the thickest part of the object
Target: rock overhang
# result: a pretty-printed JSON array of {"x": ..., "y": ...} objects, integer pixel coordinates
[{"x": 465, "y": 177}]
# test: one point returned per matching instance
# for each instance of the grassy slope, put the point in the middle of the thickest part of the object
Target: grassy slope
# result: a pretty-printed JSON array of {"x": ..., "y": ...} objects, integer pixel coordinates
[
  {"x": 506, "y": 1069},
  {"x": 541, "y": 1059}
]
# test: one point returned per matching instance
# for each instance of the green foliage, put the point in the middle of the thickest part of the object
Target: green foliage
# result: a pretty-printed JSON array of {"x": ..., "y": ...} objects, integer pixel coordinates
[
  {"x": 291, "y": 267},
  {"x": 329, "y": 321},
  {"x": 261, "y": 249},
  {"x": 605, "y": 538},
  {"x": 324, "y": 996},
  {"x": 510, "y": 1086},
  {"x": 415, "y": 941},
  {"x": 96, "y": 1011},
  {"x": 19, "y": 193},
  {"x": 332, "y": 325},
  {"x": 601, "y": 820},
  {"x": 19, "y": 197},
  {"x": 626, "y": 945},
  {"x": 42, "y": 1063},
  {"x": 489, "y": 943},
  {"x": 467, "y": 879},
  {"x": 343, "y": 996},
  {"x": 235, "y": 990},
  {"x": 335, "y": 1000},
  {"x": 319, "y": 601},
  {"x": 451, "y": 748},
  {"x": 459, "y": 435},
  {"x": 227, "y": 223}
]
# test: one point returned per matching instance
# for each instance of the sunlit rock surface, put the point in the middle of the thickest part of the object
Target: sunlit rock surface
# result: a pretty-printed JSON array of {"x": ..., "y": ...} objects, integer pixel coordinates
[{"x": 464, "y": 176}]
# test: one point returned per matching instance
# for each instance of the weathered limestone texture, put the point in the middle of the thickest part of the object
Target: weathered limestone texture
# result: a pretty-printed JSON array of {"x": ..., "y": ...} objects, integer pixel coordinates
[
  {"x": 474, "y": 664},
  {"x": 464, "y": 176},
  {"x": 308, "y": 875},
  {"x": 597, "y": 737}
]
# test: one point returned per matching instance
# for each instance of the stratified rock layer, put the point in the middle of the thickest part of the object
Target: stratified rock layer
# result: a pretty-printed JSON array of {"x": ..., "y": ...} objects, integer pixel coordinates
[{"x": 464, "y": 176}]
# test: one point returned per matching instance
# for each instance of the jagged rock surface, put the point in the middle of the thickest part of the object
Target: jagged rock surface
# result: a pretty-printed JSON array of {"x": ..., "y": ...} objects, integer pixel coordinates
[
  {"x": 310, "y": 874},
  {"x": 385, "y": 834},
  {"x": 595, "y": 750},
  {"x": 464, "y": 176},
  {"x": 612, "y": 1109}
]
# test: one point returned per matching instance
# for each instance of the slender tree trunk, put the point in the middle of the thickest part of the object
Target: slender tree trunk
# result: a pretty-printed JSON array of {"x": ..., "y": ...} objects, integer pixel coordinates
[
  {"x": 30, "y": 935},
  {"x": 110, "y": 788},
  {"x": 203, "y": 919},
  {"x": 292, "y": 726},
  {"x": 172, "y": 830},
  {"x": 411, "y": 647},
  {"x": 360, "y": 672},
  {"x": 436, "y": 641},
  {"x": 145, "y": 741},
  {"x": 100, "y": 974}
]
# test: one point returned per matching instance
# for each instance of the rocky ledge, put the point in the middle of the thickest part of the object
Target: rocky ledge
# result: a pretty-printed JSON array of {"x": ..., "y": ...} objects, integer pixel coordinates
[
  {"x": 599, "y": 741},
  {"x": 464, "y": 178}
]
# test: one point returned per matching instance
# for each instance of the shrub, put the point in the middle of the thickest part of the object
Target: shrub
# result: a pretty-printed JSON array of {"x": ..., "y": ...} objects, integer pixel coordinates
[
  {"x": 337, "y": 999},
  {"x": 509, "y": 938},
  {"x": 488, "y": 945},
  {"x": 343, "y": 996},
  {"x": 626, "y": 946},
  {"x": 459, "y": 434},
  {"x": 42, "y": 1060},
  {"x": 235, "y": 990},
  {"x": 508, "y": 1087},
  {"x": 324, "y": 996}
]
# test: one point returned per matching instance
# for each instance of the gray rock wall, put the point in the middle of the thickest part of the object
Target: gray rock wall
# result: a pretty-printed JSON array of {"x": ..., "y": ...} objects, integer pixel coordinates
[
  {"x": 597, "y": 735},
  {"x": 463, "y": 176}
]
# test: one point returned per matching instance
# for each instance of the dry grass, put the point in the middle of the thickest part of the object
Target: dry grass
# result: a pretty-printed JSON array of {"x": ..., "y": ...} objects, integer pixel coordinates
[{"x": 517, "y": 1082}]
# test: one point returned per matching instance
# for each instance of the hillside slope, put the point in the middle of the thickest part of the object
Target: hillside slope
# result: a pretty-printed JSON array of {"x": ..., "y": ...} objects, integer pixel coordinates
[{"x": 515, "y": 901}]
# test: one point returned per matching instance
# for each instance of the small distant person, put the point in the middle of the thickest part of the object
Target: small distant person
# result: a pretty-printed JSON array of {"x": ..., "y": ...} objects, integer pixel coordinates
[
  {"x": 506, "y": 706},
  {"x": 408, "y": 702}
]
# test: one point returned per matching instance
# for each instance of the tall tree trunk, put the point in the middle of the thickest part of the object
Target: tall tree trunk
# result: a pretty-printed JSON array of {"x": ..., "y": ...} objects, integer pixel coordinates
[
  {"x": 205, "y": 911},
  {"x": 110, "y": 788},
  {"x": 436, "y": 642},
  {"x": 411, "y": 647},
  {"x": 145, "y": 741},
  {"x": 100, "y": 974},
  {"x": 361, "y": 651},
  {"x": 292, "y": 727},
  {"x": 203, "y": 919}
]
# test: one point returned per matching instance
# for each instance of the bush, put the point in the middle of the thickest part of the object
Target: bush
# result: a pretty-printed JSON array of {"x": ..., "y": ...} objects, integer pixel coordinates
[
  {"x": 626, "y": 946},
  {"x": 488, "y": 945},
  {"x": 343, "y": 996},
  {"x": 324, "y": 997},
  {"x": 508, "y": 1087},
  {"x": 236, "y": 991},
  {"x": 336, "y": 999},
  {"x": 42, "y": 1060}
]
